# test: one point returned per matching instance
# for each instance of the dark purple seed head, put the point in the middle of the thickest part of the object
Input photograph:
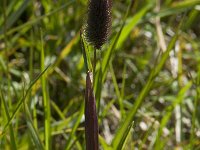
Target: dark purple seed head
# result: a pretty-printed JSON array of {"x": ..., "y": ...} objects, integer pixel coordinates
[{"x": 98, "y": 24}]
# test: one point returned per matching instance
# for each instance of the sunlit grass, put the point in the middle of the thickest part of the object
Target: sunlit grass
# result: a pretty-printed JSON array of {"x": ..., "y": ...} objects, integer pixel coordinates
[{"x": 147, "y": 75}]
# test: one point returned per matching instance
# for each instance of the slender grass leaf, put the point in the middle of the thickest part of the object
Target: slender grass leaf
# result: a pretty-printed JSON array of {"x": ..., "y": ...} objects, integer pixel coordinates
[
  {"x": 21, "y": 101},
  {"x": 71, "y": 137},
  {"x": 129, "y": 118},
  {"x": 125, "y": 137},
  {"x": 169, "y": 110},
  {"x": 177, "y": 8},
  {"x": 46, "y": 101},
  {"x": 15, "y": 15},
  {"x": 12, "y": 136},
  {"x": 104, "y": 144},
  {"x": 34, "y": 134},
  {"x": 37, "y": 19},
  {"x": 132, "y": 23},
  {"x": 109, "y": 52}
]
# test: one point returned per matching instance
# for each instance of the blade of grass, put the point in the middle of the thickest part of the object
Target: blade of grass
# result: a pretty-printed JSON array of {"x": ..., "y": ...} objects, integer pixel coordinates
[
  {"x": 133, "y": 22},
  {"x": 177, "y": 7},
  {"x": 104, "y": 144},
  {"x": 62, "y": 125},
  {"x": 192, "y": 17},
  {"x": 101, "y": 72},
  {"x": 3, "y": 115},
  {"x": 129, "y": 118},
  {"x": 125, "y": 137},
  {"x": 123, "y": 82},
  {"x": 37, "y": 19},
  {"x": 9, "y": 9},
  {"x": 33, "y": 131},
  {"x": 59, "y": 127},
  {"x": 178, "y": 110},
  {"x": 75, "y": 141},
  {"x": 63, "y": 54},
  {"x": 68, "y": 131},
  {"x": 21, "y": 101},
  {"x": 6, "y": 53},
  {"x": 15, "y": 15},
  {"x": 145, "y": 138},
  {"x": 57, "y": 109},
  {"x": 123, "y": 34},
  {"x": 75, "y": 126},
  {"x": 98, "y": 86},
  {"x": 84, "y": 53},
  {"x": 117, "y": 91},
  {"x": 196, "y": 104},
  {"x": 46, "y": 103},
  {"x": 12, "y": 136},
  {"x": 109, "y": 52},
  {"x": 106, "y": 109},
  {"x": 35, "y": 122},
  {"x": 169, "y": 110}
]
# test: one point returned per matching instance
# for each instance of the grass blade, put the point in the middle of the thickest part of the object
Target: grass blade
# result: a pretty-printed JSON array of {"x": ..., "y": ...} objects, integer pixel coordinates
[
  {"x": 33, "y": 131},
  {"x": 124, "y": 138},
  {"x": 109, "y": 52},
  {"x": 21, "y": 101},
  {"x": 71, "y": 137},
  {"x": 117, "y": 91},
  {"x": 177, "y": 7},
  {"x": 128, "y": 120},
  {"x": 133, "y": 22},
  {"x": 12, "y": 136},
  {"x": 104, "y": 144},
  {"x": 37, "y": 19},
  {"x": 15, "y": 15},
  {"x": 169, "y": 110},
  {"x": 46, "y": 103}
]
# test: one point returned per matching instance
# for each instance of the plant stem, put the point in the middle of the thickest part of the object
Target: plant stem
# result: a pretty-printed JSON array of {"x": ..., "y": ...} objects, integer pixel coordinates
[{"x": 94, "y": 65}]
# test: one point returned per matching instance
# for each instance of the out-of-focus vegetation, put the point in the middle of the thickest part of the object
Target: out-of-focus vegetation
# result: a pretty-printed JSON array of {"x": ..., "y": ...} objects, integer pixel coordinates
[{"x": 148, "y": 92}]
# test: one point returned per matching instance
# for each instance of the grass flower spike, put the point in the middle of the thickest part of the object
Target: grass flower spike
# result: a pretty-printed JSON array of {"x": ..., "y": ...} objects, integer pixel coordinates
[{"x": 98, "y": 23}]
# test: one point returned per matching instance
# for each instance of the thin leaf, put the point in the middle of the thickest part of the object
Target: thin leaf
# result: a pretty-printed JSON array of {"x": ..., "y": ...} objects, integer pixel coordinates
[
  {"x": 46, "y": 101},
  {"x": 12, "y": 136},
  {"x": 75, "y": 126},
  {"x": 37, "y": 19},
  {"x": 21, "y": 101},
  {"x": 169, "y": 110},
  {"x": 15, "y": 15},
  {"x": 128, "y": 120},
  {"x": 34, "y": 133}
]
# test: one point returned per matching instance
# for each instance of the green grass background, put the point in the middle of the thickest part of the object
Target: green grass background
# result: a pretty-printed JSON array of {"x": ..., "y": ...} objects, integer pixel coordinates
[{"x": 146, "y": 82}]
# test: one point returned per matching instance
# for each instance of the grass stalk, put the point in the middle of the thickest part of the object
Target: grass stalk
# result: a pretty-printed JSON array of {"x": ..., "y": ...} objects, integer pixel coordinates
[
  {"x": 31, "y": 98},
  {"x": 94, "y": 64},
  {"x": 46, "y": 103},
  {"x": 118, "y": 94},
  {"x": 9, "y": 100},
  {"x": 178, "y": 108},
  {"x": 129, "y": 118},
  {"x": 12, "y": 136},
  {"x": 21, "y": 102},
  {"x": 195, "y": 110},
  {"x": 168, "y": 114}
]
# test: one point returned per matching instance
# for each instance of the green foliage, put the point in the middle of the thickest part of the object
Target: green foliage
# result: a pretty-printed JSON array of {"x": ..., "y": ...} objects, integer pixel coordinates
[{"x": 149, "y": 67}]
